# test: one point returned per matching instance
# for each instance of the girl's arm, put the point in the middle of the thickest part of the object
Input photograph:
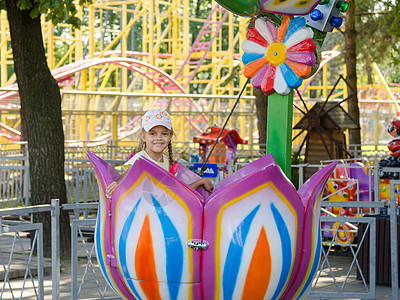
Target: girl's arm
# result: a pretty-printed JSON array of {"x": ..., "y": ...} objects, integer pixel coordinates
[
  {"x": 207, "y": 184},
  {"x": 113, "y": 185}
]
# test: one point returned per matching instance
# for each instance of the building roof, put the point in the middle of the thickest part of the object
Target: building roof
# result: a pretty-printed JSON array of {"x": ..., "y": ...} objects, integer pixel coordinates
[
  {"x": 328, "y": 115},
  {"x": 211, "y": 133}
]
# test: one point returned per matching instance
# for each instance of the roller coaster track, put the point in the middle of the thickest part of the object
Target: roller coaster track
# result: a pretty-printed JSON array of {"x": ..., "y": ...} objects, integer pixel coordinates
[
  {"x": 69, "y": 74},
  {"x": 64, "y": 77},
  {"x": 202, "y": 45}
]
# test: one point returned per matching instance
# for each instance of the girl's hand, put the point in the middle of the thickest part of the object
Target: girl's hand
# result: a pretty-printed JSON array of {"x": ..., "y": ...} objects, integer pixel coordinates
[
  {"x": 110, "y": 189},
  {"x": 113, "y": 185},
  {"x": 207, "y": 184}
]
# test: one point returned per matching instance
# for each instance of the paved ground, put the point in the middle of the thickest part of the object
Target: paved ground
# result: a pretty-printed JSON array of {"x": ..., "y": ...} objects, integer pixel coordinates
[{"x": 91, "y": 284}]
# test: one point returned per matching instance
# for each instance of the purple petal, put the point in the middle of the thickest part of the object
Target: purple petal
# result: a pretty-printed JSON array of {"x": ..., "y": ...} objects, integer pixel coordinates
[
  {"x": 258, "y": 78},
  {"x": 304, "y": 58}
]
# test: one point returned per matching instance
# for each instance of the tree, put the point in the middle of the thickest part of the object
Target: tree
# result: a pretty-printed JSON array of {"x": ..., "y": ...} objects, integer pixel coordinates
[
  {"x": 261, "y": 101},
  {"x": 41, "y": 106},
  {"x": 262, "y": 109},
  {"x": 351, "y": 68},
  {"x": 372, "y": 35},
  {"x": 378, "y": 32}
]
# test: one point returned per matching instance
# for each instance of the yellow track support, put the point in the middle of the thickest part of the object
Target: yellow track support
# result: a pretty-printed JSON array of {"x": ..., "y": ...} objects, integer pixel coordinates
[{"x": 166, "y": 41}]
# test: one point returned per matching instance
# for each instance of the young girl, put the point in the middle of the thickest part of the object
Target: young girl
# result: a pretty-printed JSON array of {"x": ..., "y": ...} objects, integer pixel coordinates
[{"x": 155, "y": 137}]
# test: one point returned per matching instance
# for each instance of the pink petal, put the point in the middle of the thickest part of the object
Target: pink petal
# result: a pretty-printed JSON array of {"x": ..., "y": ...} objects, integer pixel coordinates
[
  {"x": 305, "y": 58},
  {"x": 257, "y": 78},
  {"x": 267, "y": 84}
]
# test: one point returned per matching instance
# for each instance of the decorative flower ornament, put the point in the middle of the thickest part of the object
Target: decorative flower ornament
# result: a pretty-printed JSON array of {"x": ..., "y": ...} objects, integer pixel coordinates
[
  {"x": 277, "y": 59},
  {"x": 250, "y": 8}
]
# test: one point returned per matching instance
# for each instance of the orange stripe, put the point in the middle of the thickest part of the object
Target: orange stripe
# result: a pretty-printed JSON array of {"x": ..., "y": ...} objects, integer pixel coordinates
[
  {"x": 145, "y": 264},
  {"x": 300, "y": 70},
  {"x": 252, "y": 68},
  {"x": 282, "y": 29},
  {"x": 259, "y": 273}
]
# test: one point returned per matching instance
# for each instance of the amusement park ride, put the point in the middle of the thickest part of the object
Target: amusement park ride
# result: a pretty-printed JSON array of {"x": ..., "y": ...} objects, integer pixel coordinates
[{"x": 255, "y": 236}]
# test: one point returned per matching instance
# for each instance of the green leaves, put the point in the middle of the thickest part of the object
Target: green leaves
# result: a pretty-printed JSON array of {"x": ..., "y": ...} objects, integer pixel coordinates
[
  {"x": 55, "y": 10},
  {"x": 378, "y": 28},
  {"x": 247, "y": 8},
  {"x": 24, "y": 4}
]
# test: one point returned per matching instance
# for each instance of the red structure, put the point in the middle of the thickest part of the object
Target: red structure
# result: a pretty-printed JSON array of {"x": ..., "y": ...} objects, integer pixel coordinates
[
  {"x": 225, "y": 150},
  {"x": 394, "y": 131}
]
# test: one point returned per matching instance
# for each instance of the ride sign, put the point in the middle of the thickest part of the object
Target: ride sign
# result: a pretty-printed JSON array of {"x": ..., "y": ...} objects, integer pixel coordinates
[{"x": 211, "y": 171}]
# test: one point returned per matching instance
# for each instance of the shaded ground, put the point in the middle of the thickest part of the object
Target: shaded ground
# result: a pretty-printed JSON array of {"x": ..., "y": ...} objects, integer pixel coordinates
[{"x": 93, "y": 285}]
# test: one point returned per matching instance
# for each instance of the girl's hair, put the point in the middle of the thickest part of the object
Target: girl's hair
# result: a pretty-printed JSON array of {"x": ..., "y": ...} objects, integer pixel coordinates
[
  {"x": 142, "y": 146},
  {"x": 170, "y": 154}
]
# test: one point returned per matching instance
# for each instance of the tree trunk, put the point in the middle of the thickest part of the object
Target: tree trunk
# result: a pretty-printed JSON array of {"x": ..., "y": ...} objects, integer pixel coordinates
[
  {"x": 41, "y": 115},
  {"x": 351, "y": 64},
  {"x": 262, "y": 108},
  {"x": 368, "y": 70}
]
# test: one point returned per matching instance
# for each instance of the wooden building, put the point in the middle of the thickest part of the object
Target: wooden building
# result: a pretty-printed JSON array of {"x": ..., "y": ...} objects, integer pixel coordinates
[{"x": 325, "y": 124}]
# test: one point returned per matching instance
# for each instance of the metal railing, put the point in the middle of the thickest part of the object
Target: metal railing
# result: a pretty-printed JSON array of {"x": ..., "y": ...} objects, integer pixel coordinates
[
  {"x": 34, "y": 272},
  {"x": 80, "y": 180},
  {"x": 371, "y": 229},
  {"x": 36, "y": 246},
  {"x": 84, "y": 267},
  {"x": 339, "y": 291},
  {"x": 89, "y": 271}
]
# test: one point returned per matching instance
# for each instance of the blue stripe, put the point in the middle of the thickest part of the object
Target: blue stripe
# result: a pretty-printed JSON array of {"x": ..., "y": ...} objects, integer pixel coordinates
[
  {"x": 294, "y": 25},
  {"x": 122, "y": 248},
  {"x": 315, "y": 263},
  {"x": 286, "y": 250},
  {"x": 234, "y": 255},
  {"x": 100, "y": 250},
  {"x": 248, "y": 57},
  {"x": 292, "y": 80},
  {"x": 173, "y": 249}
]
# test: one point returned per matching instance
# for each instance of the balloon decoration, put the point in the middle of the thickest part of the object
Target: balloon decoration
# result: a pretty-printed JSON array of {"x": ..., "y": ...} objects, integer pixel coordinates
[
  {"x": 255, "y": 237},
  {"x": 250, "y": 8},
  {"x": 245, "y": 8},
  {"x": 277, "y": 59}
]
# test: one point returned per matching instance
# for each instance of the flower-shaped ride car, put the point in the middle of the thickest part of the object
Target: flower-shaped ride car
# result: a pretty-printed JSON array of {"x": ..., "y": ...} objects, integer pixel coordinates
[{"x": 255, "y": 237}]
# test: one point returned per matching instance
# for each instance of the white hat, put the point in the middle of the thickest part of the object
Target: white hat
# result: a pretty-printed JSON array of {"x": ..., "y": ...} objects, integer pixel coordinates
[{"x": 156, "y": 117}]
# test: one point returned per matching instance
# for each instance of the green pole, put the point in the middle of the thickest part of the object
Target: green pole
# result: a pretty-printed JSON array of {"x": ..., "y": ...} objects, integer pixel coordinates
[{"x": 279, "y": 129}]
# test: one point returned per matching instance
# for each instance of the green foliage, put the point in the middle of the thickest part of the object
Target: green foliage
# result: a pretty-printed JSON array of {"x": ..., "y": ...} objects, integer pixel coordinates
[
  {"x": 378, "y": 32},
  {"x": 198, "y": 9},
  {"x": 56, "y": 10},
  {"x": 295, "y": 171},
  {"x": 394, "y": 76}
]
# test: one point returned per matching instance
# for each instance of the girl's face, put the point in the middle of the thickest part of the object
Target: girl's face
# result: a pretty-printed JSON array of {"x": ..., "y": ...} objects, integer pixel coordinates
[{"x": 156, "y": 139}]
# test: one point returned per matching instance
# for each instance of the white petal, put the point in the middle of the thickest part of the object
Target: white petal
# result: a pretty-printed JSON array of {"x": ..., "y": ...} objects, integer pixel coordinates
[
  {"x": 280, "y": 85},
  {"x": 263, "y": 29},
  {"x": 300, "y": 35},
  {"x": 252, "y": 47}
]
